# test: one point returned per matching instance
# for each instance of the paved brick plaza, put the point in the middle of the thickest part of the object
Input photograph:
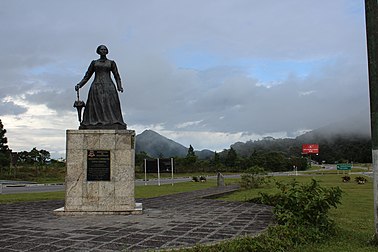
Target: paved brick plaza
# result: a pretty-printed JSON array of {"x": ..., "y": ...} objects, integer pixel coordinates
[{"x": 169, "y": 221}]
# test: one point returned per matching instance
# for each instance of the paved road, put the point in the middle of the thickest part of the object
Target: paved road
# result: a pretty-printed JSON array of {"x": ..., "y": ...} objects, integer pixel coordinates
[
  {"x": 28, "y": 187},
  {"x": 31, "y": 189},
  {"x": 10, "y": 187}
]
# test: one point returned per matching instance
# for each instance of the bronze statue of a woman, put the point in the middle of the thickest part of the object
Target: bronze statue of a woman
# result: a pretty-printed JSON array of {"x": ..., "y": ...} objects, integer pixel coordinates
[{"x": 102, "y": 109}]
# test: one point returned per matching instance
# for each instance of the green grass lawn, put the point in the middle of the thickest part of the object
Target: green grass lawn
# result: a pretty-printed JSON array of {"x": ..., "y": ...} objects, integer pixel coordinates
[
  {"x": 178, "y": 175},
  {"x": 140, "y": 192},
  {"x": 324, "y": 171},
  {"x": 354, "y": 217},
  {"x": 155, "y": 191},
  {"x": 355, "y": 220},
  {"x": 21, "y": 197}
]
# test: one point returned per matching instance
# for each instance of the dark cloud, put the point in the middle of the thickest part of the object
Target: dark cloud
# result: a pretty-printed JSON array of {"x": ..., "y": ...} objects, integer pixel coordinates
[
  {"x": 9, "y": 108},
  {"x": 190, "y": 61},
  {"x": 60, "y": 101},
  {"x": 330, "y": 94}
]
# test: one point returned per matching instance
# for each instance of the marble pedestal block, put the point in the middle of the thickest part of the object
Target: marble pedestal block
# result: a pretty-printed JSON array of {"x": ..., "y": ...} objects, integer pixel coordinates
[{"x": 100, "y": 172}]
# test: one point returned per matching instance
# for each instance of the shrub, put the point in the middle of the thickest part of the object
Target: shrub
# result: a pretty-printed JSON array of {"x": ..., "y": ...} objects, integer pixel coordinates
[
  {"x": 202, "y": 178},
  {"x": 304, "y": 205},
  {"x": 301, "y": 212},
  {"x": 195, "y": 179},
  {"x": 360, "y": 180},
  {"x": 346, "y": 179},
  {"x": 254, "y": 177},
  {"x": 275, "y": 238}
]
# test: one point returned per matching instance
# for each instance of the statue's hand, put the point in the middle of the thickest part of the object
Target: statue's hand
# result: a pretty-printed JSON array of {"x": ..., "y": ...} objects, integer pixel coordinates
[
  {"x": 77, "y": 87},
  {"x": 120, "y": 89}
]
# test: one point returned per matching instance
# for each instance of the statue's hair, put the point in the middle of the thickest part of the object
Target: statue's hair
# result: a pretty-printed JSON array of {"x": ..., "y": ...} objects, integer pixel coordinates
[{"x": 98, "y": 49}]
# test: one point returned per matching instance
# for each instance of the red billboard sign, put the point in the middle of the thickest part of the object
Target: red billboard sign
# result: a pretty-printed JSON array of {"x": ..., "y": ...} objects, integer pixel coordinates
[{"x": 310, "y": 148}]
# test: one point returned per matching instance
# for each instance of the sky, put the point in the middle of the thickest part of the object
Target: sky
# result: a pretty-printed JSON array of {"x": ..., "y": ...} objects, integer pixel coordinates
[{"x": 203, "y": 72}]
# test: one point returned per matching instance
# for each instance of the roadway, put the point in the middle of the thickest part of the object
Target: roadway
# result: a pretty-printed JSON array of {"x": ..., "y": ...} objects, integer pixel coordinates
[{"x": 11, "y": 187}]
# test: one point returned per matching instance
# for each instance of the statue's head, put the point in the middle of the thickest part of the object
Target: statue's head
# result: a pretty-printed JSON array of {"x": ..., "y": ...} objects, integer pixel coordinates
[{"x": 102, "y": 50}]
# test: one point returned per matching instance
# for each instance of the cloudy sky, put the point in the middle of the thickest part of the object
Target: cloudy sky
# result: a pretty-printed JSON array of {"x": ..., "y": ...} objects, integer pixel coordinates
[{"x": 201, "y": 72}]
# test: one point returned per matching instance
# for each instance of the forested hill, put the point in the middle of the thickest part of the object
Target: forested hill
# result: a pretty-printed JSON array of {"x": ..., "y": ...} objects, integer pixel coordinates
[
  {"x": 349, "y": 140},
  {"x": 340, "y": 142},
  {"x": 344, "y": 141},
  {"x": 156, "y": 145}
]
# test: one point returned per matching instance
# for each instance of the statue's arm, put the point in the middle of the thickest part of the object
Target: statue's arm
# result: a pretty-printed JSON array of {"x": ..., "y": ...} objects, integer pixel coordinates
[
  {"x": 117, "y": 77},
  {"x": 87, "y": 76}
]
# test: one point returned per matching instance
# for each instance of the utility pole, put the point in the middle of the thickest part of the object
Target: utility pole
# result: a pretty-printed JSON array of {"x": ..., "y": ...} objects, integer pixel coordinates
[{"x": 371, "y": 14}]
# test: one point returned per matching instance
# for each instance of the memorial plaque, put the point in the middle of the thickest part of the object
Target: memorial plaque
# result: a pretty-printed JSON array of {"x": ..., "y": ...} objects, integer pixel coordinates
[{"x": 98, "y": 165}]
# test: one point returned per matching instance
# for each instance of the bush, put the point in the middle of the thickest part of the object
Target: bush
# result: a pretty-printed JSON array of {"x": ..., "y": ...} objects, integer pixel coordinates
[
  {"x": 302, "y": 214},
  {"x": 253, "y": 178},
  {"x": 360, "y": 180},
  {"x": 304, "y": 205},
  {"x": 202, "y": 178},
  {"x": 346, "y": 179},
  {"x": 275, "y": 238}
]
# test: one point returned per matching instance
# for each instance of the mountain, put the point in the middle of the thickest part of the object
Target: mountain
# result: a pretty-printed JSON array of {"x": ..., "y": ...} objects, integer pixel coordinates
[
  {"x": 348, "y": 140},
  {"x": 156, "y": 145},
  {"x": 349, "y": 137},
  {"x": 204, "y": 154},
  {"x": 353, "y": 127}
]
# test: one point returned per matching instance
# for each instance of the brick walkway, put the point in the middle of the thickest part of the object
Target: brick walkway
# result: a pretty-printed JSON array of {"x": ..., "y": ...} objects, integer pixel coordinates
[{"x": 177, "y": 220}]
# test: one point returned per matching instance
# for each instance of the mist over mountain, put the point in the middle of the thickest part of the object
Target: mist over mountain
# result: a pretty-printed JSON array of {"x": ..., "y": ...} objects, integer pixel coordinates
[
  {"x": 344, "y": 140},
  {"x": 156, "y": 145},
  {"x": 354, "y": 127}
]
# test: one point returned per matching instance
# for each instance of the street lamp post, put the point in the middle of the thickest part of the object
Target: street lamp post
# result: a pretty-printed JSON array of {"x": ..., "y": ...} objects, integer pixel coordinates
[{"x": 371, "y": 15}]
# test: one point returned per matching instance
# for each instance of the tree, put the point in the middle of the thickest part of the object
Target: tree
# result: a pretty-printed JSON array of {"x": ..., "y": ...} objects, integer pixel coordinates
[
  {"x": 139, "y": 161},
  {"x": 276, "y": 161},
  {"x": 34, "y": 156},
  {"x": 4, "y": 150},
  {"x": 191, "y": 157},
  {"x": 24, "y": 157},
  {"x": 231, "y": 158},
  {"x": 44, "y": 156},
  {"x": 216, "y": 157},
  {"x": 216, "y": 160},
  {"x": 191, "y": 152}
]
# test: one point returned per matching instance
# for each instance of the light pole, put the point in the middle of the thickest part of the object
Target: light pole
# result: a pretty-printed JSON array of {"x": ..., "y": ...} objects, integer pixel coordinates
[{"x": 371, "y": 15}]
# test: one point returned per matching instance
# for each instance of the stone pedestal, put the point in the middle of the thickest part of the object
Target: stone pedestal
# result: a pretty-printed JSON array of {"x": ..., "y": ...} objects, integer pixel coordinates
[{"x": 100, "y": 172}]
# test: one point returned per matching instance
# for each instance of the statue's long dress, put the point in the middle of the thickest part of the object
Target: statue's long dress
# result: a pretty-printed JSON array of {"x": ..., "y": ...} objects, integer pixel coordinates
[{"x": 103, "y": 109}]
